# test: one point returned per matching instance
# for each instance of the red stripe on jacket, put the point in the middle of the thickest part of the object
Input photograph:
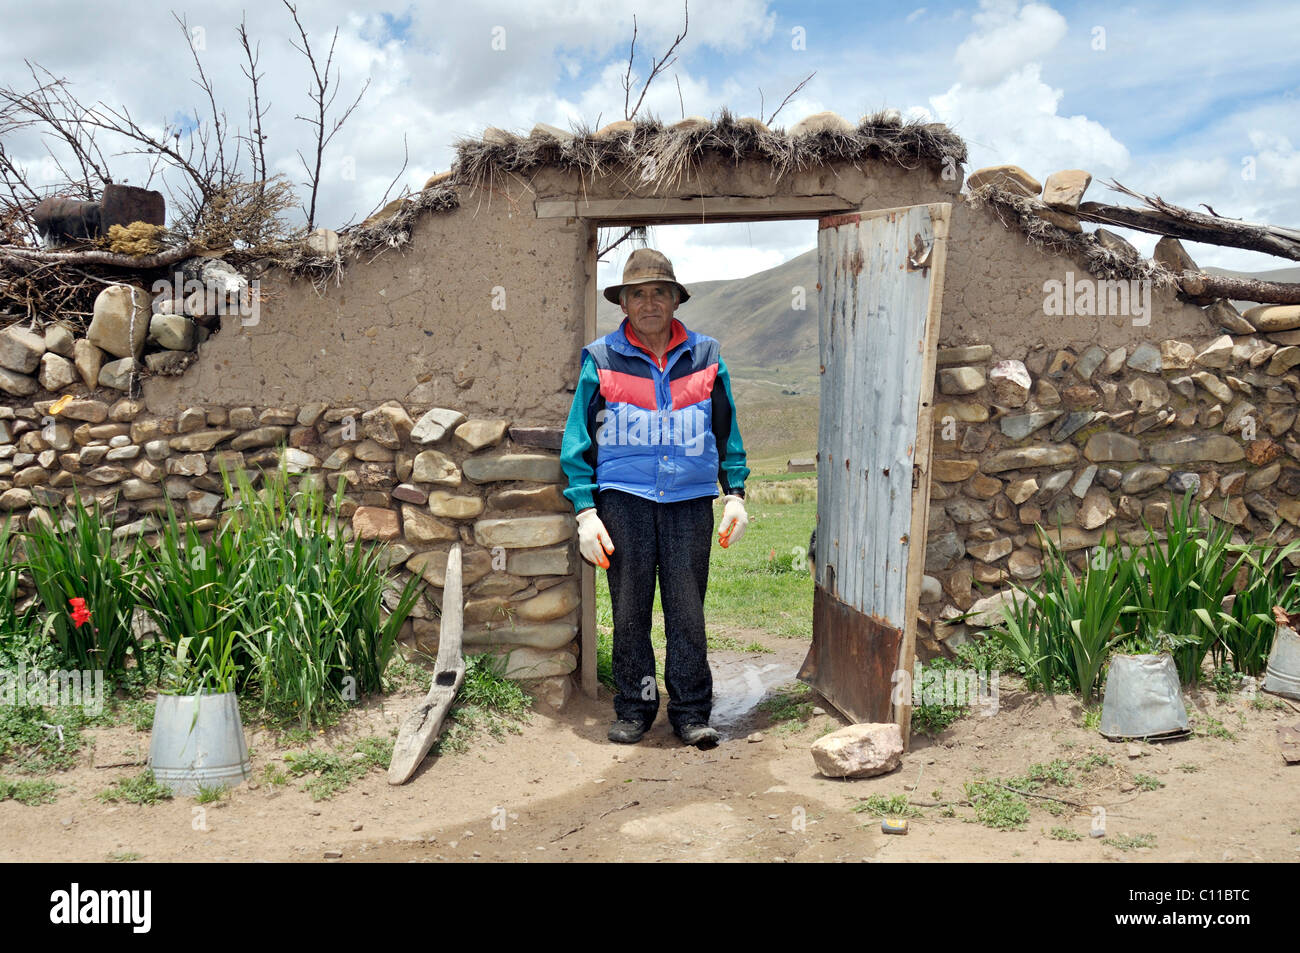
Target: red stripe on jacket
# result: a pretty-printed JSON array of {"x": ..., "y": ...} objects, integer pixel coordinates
[
  {"x": 616, "y": 386},
  {"x": 693, "y": 388}
]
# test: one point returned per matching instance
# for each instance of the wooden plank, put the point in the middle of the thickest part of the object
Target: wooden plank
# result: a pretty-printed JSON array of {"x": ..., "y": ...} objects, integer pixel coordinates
[
  {"x": 587, "y": 655},
  {"x": 637, "y": 211},
  {"x": 420, "y": 729},
  {"x": 555, "y": 209},
  {"x": 940, "y": 216}
]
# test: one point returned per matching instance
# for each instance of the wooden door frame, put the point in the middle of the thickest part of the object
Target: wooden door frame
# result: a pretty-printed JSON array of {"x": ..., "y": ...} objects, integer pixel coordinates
[{"x": 592, "y": 215}]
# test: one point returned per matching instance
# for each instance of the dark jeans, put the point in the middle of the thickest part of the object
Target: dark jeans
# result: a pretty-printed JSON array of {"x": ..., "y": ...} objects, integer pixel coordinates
[{"x": 672, "y": 539}]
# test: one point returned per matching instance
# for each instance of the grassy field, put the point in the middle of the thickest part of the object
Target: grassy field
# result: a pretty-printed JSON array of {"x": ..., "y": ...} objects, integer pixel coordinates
[{"x": 761, "y": 586}]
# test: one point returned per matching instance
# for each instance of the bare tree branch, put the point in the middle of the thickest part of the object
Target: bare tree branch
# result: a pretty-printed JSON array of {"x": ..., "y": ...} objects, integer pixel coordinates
[
  {"x": 384, "y": 201},
  {"x": 635, "y": 233},
  {"x": 789, "y": 96},
  {"x": 656, "y": 66},
  {"x": 324, "y": 100}
]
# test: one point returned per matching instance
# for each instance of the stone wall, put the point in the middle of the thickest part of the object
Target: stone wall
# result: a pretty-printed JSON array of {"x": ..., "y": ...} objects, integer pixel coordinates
[
  {"x": 418, "y": 483},
  {"x": 1092, "y": 421}
]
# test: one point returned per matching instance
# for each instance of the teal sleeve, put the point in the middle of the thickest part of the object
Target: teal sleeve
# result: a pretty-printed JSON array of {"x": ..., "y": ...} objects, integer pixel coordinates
[
  {"x": 575, "y": 451},
  {"x": 732, "y": 471}
]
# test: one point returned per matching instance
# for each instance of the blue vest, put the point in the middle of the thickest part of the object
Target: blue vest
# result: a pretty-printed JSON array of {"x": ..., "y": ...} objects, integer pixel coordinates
[{"x": 653, "y": 428}]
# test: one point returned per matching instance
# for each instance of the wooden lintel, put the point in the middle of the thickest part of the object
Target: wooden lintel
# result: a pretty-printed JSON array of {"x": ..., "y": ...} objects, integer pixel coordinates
[{"x": 635, "y": 211}]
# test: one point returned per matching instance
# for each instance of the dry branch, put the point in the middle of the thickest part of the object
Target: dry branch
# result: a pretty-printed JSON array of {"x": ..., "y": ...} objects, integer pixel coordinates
[
  {"x": 656, "y": 66},
  {"x": 788, "y": 96},
  {"x": 323, "y": 100},
  {"x": 1162, "y": 218},
  {"x": 26, "y": 258},
  {"x": 1202, "y": 285}
]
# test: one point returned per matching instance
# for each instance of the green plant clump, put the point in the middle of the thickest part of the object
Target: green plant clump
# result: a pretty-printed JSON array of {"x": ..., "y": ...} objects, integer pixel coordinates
[
  {"x": 895, "y": 805},
  {"x": 487, "y": 702},
  {"x": 29, "y": 791},
  {"x": 997, "y": 807},
  {"x": 142, "y": 788},
  {"x": 1165, "y": 595}
]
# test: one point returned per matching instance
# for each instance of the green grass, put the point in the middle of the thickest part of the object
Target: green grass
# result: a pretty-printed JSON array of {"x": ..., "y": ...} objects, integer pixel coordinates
[
  {"x": 136, "y": 712},
  {"x": 1064, "y": 833},
  {"x": 1189, "y": 768},
  {"x": 932, "y": 717},
  {"x": 273, "y": 776},
  {"x": 881, "y": 806},
  {"x": 141, "y": 788},
  {"x": 997, "y": 807},
  {"x": 1224, "y": 681},
  {"x": 210, "y": 795},
  {"x": 1094, "y": 760},
  {"x": 1264, "y": 703},
  {"x": 789, "y": 707},
  {"x": 1054, "y": 772},
  {"x": 1132, "y": 841},
  {"x": 29, "y": 791},
  {"x": 1092, "y": 718},
  {"x": 487, "y": 703},
  {"x": 987, "y": 654},
  {"x": 30, "y": 746},
  {"x": 1147, "y": 783},
  {"x": 123, "y": 857},
  {"x": 1214, "y": 728},
  {"x": 332, "y": 771}
]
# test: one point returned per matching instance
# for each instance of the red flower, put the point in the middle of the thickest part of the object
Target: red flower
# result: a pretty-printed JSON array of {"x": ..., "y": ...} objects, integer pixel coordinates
[{"x": 80, "y": 614}]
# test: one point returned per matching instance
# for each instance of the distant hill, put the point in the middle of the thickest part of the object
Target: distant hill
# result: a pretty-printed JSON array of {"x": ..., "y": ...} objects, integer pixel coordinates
[{"x": 771, "y": 350}]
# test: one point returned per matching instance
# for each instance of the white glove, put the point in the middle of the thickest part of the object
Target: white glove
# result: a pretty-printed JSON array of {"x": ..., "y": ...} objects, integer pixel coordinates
[
  {"x": 734, "y": 520},
  {"x": 593, "y": 539}
]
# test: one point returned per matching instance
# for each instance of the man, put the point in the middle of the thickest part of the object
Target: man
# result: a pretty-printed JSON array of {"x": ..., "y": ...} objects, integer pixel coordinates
[{"x": 651, "y": 433}]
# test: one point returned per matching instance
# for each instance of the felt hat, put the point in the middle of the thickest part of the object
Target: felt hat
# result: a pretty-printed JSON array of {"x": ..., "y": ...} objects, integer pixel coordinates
[{"x": 645, "y": 265}]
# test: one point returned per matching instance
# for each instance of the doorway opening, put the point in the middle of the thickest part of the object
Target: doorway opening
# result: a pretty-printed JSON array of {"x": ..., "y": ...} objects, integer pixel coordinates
[{"x": 878, "y": 273}]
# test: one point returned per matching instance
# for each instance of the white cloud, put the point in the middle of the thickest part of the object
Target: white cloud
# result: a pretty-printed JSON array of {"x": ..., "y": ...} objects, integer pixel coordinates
[
  {"x": 1016, "y": 121},
  {"x": 1275, "y": 158},
  {"x": 1007, "y": 39}
]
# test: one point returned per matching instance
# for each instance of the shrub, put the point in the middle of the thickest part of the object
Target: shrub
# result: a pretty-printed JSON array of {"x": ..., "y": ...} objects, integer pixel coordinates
[
  {"x": 1271, "y": 581},
  {"x": 311, "y": 602},
  {"x": 193, "y": 593},
  {"x": 1182, "y": 584},
  {"x": 1069, "y": 627},
  {"x": 80, "y": 563}
]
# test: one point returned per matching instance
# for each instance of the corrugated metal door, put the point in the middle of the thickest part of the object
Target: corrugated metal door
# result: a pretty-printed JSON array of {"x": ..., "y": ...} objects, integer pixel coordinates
[{"x": 881, "y": 286}]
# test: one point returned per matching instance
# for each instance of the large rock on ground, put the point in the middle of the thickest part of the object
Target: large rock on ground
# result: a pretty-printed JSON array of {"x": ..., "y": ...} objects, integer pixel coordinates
[{"x": 859, "y": 751}]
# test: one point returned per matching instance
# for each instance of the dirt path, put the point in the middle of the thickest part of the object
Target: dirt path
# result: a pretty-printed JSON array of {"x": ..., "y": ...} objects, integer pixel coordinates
[{"x": 561, "y": 791}]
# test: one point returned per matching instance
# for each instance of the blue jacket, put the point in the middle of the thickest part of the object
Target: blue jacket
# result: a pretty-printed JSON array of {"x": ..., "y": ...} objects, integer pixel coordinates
[{"x": 662, "y": 431}]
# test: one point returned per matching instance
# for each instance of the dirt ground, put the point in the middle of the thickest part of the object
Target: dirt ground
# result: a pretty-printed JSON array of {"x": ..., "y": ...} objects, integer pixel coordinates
[{"x": 559, "y": 791}]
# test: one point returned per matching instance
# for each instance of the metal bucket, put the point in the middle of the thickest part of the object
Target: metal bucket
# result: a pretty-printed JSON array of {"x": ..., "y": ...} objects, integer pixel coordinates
[
  {"x": 1143, "y": 699},
  {"x": 1282, "y": 676},
  {"x": 198, "y": 740}
]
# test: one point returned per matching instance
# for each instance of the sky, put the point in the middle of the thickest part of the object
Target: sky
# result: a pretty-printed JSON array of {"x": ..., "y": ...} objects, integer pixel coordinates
[{"x": 1196, "y": 101}]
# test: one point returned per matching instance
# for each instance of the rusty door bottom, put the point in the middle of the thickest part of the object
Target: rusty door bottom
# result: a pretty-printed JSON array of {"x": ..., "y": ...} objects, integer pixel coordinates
[{"x": 852, "y": 659}]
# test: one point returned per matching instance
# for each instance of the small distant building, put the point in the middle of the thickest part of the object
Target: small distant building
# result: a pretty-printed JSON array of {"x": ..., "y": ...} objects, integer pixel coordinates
[{"x": 801, "y": 465}]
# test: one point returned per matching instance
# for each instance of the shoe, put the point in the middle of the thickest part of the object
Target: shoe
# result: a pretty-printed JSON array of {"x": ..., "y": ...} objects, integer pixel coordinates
[
  {"x": 626, "y": 732},
  {"x": 700, "y": 735}
]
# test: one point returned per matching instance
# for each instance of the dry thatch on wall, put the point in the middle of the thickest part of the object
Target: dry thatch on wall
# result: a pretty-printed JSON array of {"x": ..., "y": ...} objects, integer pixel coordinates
[
  {"x": 368, "y": 239},
  {"x": 661, "y": 154},
  {"x": 1017, "y": 210}
]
